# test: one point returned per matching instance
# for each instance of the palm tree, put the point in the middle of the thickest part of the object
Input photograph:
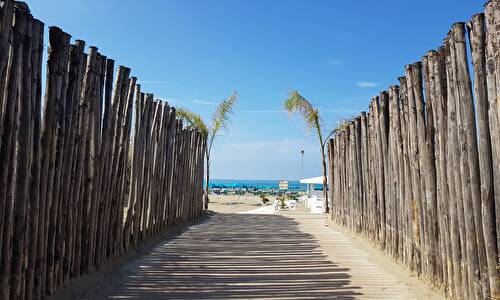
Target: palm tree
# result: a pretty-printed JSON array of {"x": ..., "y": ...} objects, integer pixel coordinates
[
  {"x": 296, "y": 103},
  {"x": 220, "y": 120}
]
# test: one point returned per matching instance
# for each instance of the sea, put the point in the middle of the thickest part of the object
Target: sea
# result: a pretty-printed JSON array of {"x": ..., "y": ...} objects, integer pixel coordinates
[{"x": 293, "y": 185}]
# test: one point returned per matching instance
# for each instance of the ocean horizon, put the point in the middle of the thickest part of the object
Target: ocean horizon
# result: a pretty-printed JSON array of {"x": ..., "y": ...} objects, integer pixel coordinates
[{"x": 294, "y": 185}]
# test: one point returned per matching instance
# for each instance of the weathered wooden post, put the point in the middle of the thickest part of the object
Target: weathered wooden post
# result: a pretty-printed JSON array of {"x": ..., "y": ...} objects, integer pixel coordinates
[
  {"x": 470, "y": 186},
  {"x": 23, "y": 28},
  {"x": 426, "y": 132},
  {"x": 409, "y": 220},
  {"x": 493, "y": 88},
  {"x": 7, "y": 152},
  {"x": 6, "y": 15},
  {"x": 34, "y": 198},
  {"x": 106, "y": 144},
  {"x": 454, "y": 175},
  {"x": 477, "y": 36}
]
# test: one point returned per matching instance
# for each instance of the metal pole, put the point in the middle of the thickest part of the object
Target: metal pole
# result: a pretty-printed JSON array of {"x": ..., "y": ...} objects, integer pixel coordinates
[{"x": 302, "y": 167}]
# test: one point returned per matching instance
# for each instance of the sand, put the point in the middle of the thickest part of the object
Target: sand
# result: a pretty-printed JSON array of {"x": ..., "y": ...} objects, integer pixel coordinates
[{"x": 235, "y": 203}]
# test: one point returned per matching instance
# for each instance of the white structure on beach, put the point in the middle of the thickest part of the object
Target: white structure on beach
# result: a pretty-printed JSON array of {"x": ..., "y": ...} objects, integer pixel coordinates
[{"x": 313, "y": 198}]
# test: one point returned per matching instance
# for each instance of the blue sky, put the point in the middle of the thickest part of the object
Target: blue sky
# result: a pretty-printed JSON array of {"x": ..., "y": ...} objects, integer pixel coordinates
[{"x": 338, "y": 54}]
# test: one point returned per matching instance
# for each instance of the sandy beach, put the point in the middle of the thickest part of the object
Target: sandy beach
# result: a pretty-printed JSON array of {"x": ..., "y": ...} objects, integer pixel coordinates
[{"x": 235, "y": 203}]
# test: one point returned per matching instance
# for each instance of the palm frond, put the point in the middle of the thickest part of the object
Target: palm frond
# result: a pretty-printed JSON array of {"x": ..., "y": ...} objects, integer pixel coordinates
[
  {"x": 296, "y": 103},
  {"x": 194, "y": 120},
  {"x": 222, "y": 113},
  {"x": 342, "y": 125}
]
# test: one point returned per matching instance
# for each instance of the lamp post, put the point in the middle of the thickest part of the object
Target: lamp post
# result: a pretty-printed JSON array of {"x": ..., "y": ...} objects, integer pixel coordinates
[{"x": 302, "y": 166}]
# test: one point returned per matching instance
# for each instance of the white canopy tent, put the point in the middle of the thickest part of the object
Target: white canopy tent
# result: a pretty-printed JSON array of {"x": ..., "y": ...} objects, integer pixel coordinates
[
  {"x": 313, "y": 199},
  {"x": 311, "y": 182}
]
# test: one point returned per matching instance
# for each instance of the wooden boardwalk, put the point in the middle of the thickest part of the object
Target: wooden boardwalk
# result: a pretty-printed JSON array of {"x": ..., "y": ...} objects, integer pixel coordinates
[{"x": 291, "y": 255}]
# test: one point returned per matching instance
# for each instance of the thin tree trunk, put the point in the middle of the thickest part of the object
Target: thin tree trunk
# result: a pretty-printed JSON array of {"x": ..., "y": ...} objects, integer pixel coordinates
[
  {"x": 207, "y": 189},
  {"x": 325, "y": 185}
]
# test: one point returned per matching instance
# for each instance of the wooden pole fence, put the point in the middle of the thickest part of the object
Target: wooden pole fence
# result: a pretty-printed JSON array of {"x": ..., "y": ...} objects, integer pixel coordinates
[
  {"x": 103, "y": 168},
  {"x": 419, "y": 174}
]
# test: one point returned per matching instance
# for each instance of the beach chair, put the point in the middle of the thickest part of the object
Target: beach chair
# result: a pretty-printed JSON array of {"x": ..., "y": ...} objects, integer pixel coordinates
[{"x": 291, "y": 204}]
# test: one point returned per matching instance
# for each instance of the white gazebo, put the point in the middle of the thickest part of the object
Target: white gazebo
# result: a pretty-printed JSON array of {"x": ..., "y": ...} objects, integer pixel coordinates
[
  {"x": 310, "y": 182},
  {"x": 314, "y": 200}
]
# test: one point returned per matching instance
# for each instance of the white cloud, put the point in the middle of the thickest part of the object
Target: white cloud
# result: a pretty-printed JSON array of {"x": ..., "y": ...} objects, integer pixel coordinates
[
  {"x": 367, "y": 84},
  {"x": 204, "y": 102}
]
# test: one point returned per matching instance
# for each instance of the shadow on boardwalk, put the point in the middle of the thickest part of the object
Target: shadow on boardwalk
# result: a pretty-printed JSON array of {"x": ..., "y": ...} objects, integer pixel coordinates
[{"x": 231, "y": 256}]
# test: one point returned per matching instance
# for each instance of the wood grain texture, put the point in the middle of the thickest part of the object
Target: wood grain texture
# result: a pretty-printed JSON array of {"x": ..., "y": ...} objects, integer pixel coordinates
[
  {"x": 80, "y": 183},
  {"x": 429, "y": 156}
]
